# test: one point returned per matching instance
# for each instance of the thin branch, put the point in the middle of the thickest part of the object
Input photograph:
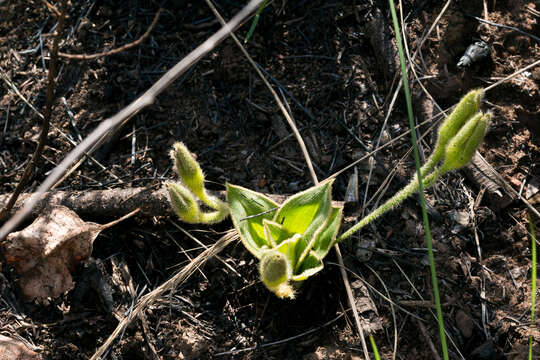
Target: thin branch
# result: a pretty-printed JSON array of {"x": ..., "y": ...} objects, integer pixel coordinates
[
  {"x": 51, "y": 85},
  {"x": 117, "y": 50},
  {"x": 517, "y": 72},
  {"x": 128, "y": 112},
  {"x": 535, "y": 38},
  {"x": 52, "y": 8}
]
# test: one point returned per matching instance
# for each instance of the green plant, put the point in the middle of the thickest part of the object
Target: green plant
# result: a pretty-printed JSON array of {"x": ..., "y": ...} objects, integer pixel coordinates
[
  {"x": 533, "y": 284},
  {"x": 459, "y": 137},
  {"x": 255, "y": 21},
  {"x": 451, "y": 128},
  {"x": 186, "y": 195},
  {"x": 291, "y": 239},
  {"x": 374, "y": 348}
]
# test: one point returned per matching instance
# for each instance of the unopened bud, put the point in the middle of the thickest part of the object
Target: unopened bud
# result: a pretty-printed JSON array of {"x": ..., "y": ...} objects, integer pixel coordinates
[
  {"x": 188, "y": 169},
  {"x": 275, "y": 272},
  {"x": 466, "y": 108},
  {"x": 462, "y": 147},
  {"x": 183, "y": 203}
]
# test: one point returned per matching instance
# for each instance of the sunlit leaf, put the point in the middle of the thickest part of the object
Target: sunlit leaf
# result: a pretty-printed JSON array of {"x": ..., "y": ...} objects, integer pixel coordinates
[
  {"x": 300, "y": 211},
  {"x": 274, "y": 232},
  {"x": 305, "y": 212},
  {"x": 248, "y": 210},
  {"x": 288, "y": 248},
  {"x": 310, "y": 266},
  {"x": 326, "y": 238}
]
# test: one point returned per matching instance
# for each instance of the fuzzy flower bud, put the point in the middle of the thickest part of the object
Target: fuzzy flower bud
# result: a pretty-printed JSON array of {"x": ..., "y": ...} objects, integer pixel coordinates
[
  {"x": 188, "y": 169},
  {"x": 466, "y": 108},
  {"x": 275, "y": 272},
  {"x": 462, "y": 147},
  {"x": 183, "y": 203}
]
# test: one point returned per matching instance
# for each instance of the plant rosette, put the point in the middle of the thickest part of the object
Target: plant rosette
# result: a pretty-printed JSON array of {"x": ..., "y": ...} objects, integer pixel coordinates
[{"x": 291, "y": 239}]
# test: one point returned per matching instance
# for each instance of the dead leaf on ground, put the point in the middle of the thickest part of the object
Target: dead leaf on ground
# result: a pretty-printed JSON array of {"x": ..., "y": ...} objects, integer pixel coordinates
[
  {"x": 11, "y": 349},
  {"x": 45, "y": 253}
]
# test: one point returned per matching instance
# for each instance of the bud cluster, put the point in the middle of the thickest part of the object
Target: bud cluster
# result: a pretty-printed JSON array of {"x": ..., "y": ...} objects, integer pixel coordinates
[
  {"x": 459, "y": 137},
  {"x": 186, "y": 194},
  {"x": 462, "y": 132}
]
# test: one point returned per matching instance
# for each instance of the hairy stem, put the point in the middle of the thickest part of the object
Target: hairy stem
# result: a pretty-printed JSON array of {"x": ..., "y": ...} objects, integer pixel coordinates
[
  {"x": 214, "y": 217},
  {"x": 213, "y": 202},
  {"x": 394, "y": 201}
]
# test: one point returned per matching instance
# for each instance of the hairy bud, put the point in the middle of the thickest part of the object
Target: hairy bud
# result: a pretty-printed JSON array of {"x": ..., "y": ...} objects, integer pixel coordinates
[
  {"x": 462, "y": 147},
  {"x": 275, "y": 272},
  {"x": 183, "y": 203},
  {"x": 466, "y": 108},
  {"x": 188, "y": 169}
]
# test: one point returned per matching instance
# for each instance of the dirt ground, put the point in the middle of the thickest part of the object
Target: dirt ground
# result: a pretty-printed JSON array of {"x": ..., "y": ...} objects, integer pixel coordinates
[{"x": 335, "y": 65}]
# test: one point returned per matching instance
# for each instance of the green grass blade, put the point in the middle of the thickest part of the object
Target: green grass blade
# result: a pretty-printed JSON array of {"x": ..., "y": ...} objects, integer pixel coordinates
[
  {"x": 533, "y": 283},
  {"x": 420, "y": 190},
  {"x": 255, "y": 21},
  {"x": 374, "y": 348}
]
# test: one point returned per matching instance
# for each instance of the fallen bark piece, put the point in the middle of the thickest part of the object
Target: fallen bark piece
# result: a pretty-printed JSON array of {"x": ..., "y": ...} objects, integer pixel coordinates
[
  {"x": 46, "y": 252},
  {"x": 11, "y": 349},
  {"x": 533, "y": 190},
  {"x": 383, "y": 43},
  {"x": 483, "y": 175},
  {"x": 109, "y": 203},
  {"x": 103, "y": 203}
]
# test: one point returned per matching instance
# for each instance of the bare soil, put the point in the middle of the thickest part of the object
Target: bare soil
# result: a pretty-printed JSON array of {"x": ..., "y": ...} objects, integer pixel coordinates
[{"x": 323, "y": 56}]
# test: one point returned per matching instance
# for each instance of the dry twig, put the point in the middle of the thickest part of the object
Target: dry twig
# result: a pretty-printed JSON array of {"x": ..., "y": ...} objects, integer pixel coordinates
[
  {"x": 117, "y": 50},
  {"x": 94, "y": 139},
  {"x": 109, "y": 203},
  {"x": 51, "y": 85},
  {"x": 169, "y": 285}
]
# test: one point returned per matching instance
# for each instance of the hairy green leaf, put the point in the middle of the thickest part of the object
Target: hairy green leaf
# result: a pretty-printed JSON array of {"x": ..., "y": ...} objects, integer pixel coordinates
[
  {"x": 326, "y": 236},
  {"x": 305, "y": 212},
  {"x": 274, "y": 232},
  {"x": 248, "y": 210},
  {"x": 311, "y": 265}
]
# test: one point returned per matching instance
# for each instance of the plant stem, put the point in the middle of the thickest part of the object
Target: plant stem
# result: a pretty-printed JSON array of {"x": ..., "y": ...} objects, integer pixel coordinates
[
  {"x": 431, "y": 162},
  {"x": 212, "y": 201},
  {"x": 213, "y": 217},
  {"x": 394, "y": 201},
  {"x": 374, "y": 348},
  {"x": 433, "y": 272},
  {"x": 255, "y": 21},
  {"x": 533, "y": 284}
]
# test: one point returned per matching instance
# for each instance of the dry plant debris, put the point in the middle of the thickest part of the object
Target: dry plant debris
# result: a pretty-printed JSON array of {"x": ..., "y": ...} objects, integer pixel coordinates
[
  {"x": 45, "y": 253},
  {"x": 11, "y": 349}
]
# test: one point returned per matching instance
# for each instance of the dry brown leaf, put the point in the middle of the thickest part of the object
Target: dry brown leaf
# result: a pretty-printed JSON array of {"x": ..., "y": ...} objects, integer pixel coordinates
[
  {"x": 11, "y": 349},
  {"x": 45, "y": 253}
]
